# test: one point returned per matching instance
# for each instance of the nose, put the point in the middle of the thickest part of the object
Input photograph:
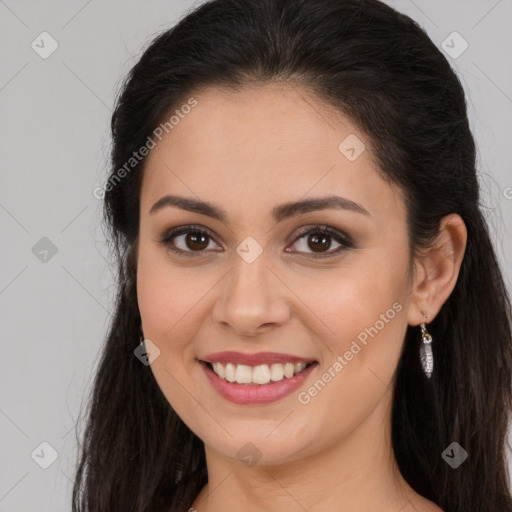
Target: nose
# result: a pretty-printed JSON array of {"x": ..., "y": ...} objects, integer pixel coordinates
[{"x": 253, "y": 298}]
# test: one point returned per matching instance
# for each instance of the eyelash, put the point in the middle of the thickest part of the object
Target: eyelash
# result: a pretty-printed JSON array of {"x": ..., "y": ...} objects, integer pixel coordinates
[{"x": 319, "y": 229}]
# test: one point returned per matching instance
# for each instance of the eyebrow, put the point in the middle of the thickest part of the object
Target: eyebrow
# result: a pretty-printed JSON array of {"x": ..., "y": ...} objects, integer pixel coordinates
[{"x": 279, "y": 213}]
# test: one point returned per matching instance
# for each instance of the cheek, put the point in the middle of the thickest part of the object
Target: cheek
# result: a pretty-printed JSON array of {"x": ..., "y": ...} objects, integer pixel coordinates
[
  {"x": 363, "y": 314},
  {"x": 169, "y": 300},
  {"x": 166, "y": 297},
  {"x": 366, "y": 323},
  {"x": 350, "y": 301}
]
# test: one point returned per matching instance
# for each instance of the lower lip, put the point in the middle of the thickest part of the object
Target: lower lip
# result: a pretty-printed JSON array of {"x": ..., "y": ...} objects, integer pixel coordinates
[{"x": 257, "y": 393}]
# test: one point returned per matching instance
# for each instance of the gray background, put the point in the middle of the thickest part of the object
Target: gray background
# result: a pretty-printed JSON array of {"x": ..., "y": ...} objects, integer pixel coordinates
[{"x": 55, "y": 116}]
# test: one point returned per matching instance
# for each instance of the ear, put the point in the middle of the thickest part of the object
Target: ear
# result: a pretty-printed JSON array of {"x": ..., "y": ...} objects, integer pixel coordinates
[{"x": 436, "y": 270}]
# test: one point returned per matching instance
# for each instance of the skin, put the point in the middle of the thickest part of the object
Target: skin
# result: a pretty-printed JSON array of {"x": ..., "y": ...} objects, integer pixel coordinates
[{"x": 247, "y": 152}]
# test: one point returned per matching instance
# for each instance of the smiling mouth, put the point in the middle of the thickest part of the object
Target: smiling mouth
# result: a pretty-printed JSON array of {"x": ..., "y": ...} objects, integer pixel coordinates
[{"x": 257, "y": 375}]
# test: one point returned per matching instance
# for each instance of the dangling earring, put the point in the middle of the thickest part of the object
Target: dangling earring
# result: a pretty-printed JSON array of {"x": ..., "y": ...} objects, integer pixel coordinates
[
  {"x": 141, "y": 336},
  {"x": 426, "y": 355}
]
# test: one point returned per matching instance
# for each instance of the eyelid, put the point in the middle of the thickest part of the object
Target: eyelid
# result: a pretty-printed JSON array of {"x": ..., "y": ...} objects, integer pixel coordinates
[
  {"x": 181, "y": 230},
  {"x": 341, "y": 237},
  {"x": 334, "y": 232}
]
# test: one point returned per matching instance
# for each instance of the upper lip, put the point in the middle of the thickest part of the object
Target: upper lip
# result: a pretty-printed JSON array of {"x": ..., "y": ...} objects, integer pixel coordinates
[{"x": 254, "y": 359}]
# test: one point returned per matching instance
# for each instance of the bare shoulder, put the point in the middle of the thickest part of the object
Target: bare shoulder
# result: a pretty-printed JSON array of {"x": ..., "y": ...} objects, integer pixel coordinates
[
  {"x": 429, "y": 506},
  {"x": 421, "y": 504}
]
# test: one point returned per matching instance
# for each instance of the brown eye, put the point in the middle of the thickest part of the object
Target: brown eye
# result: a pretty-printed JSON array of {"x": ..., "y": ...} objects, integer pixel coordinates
[
  {"x": 319, "y": 240},
  {"x": 187, "y": 240},
  {"x": 196, "y": 241},
  {"x": 318, "y": 243}
]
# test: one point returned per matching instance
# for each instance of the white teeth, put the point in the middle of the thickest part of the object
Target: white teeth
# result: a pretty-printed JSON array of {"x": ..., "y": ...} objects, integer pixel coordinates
[
  {"x": 229, "y": 372},
  {"x": 299, "y": 367},
  {"x": 219, "y": 370},
  {"x": 289, "y": 369},
  {"x": 261, "y": 374},
  {"x": 243, "y": 374},
  {"x": 276, "y": 372}
]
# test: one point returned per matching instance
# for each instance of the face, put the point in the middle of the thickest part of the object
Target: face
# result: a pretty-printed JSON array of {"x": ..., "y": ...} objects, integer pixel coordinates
[{"x": 263, "y": 280}]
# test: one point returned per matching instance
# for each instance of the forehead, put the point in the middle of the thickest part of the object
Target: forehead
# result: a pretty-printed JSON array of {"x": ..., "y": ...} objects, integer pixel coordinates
[{"x": 262, "y": 145}]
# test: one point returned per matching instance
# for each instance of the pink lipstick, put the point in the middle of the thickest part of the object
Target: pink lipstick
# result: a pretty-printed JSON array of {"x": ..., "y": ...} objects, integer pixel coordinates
[{"x": 258, "y": 378}]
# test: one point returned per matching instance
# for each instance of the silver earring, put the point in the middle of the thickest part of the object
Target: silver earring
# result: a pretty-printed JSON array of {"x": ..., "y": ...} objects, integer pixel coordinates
[
  {"x": 426, "y": 355},
  {"x": 141, "y": 336}
]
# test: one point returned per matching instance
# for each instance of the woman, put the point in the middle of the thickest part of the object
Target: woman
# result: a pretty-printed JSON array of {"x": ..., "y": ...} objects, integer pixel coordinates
[{"x": 310, "y": 313}]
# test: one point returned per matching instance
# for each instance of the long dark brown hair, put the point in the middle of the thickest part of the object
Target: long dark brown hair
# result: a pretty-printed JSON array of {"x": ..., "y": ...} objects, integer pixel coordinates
[{"x": 381, "y": 69}]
